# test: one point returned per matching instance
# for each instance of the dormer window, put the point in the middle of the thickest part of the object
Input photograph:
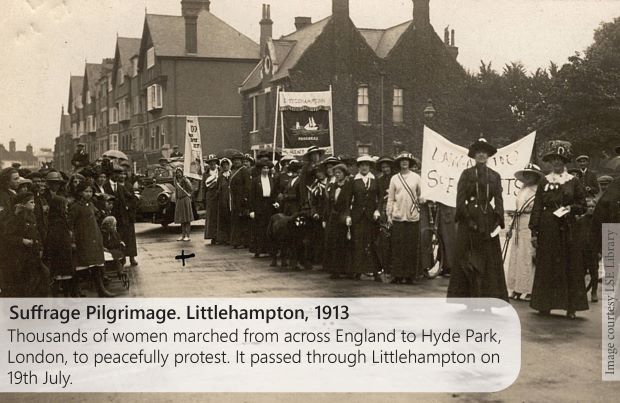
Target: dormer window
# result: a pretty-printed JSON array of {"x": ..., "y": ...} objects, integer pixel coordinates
[
  {"x": 120, "y": 76},
  {"x": 134, "y": 67}
]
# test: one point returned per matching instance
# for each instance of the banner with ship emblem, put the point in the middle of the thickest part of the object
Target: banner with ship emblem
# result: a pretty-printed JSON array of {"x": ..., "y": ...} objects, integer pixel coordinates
[{"x": 306, "y": 121}]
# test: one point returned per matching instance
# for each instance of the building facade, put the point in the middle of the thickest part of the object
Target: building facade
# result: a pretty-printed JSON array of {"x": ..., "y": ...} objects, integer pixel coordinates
[
  {"x": 26, "y": 158},
  {"x": 381, "y": 79}
]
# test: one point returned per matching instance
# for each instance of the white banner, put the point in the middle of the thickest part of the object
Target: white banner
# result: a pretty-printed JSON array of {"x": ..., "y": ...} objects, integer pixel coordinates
[
  {"x": 305, "y": 100},
  {"x": 193, "y": 165},
  {"x": 443, "y": 162}
]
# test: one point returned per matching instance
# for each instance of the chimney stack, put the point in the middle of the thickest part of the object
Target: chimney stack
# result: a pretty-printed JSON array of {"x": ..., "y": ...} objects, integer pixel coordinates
[
  {"x": 340, "y": 8},
  {"x": 266, "y": 29},
  {"x": 12, "y": 146},
  {"x": 302, "y": 22},
  {"x": 190, "y": 10},
  {"x": 452, "y": 42},
  {"x": 446, "y": 36},
  {"x": 421, "y": 14}
]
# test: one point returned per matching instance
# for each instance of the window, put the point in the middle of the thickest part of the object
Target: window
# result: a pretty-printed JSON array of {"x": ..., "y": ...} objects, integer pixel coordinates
[
  {"x": 150, "y": 58},
  {"x": 91, "y": 124},
  {"x": 134, "y": 67},
  {"x": 363, "y": 149},
  {"x": 113, "y": 141},
  {"x": 74, "y": 130},
  {"x": 87, "y": 97},
  {"x": 362, "y": 104},
  {"x": 152, "y": 139},
  {"x": 136, "y": 105},
  {"x": 113, "y": 115},
  {"x": 123, "y": 110},
  {"x": 162, "y": 139},
  {"x": 120, "y": 77},
  {"x": 109, "y": 81},
  {"x": 154, "y": 97},
  {"x": 397, "y": 106}
]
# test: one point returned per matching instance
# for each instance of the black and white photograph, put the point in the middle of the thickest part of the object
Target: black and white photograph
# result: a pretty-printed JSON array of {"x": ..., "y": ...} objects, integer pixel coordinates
[{"x": 444, "y": 149}]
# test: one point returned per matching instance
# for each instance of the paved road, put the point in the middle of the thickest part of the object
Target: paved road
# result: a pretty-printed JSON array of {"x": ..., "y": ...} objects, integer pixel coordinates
[{"x": 561, "y": 359}]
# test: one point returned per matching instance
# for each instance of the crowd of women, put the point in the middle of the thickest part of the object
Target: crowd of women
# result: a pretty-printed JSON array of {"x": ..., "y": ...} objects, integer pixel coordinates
[
  {"x": 363, "y": 217},
  {"x": 58, "y": 229}
]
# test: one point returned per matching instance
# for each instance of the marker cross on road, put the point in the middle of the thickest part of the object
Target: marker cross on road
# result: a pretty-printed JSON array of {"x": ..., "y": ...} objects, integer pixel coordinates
[{"x": 183, "y": 257}]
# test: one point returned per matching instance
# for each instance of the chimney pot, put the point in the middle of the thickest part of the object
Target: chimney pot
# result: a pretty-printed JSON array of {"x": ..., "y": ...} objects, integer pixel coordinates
[
  {"x": 302, "y": 22},
  {"x": 452, "y": 42}
]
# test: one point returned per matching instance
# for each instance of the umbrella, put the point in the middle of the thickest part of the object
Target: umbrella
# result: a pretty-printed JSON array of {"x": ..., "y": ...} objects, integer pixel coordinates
[
  {"x": 115, "y": 154},
  {"x": 229, "y": 152}
]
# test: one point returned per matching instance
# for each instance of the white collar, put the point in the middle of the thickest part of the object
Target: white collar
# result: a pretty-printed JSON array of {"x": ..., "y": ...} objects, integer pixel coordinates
[
  {"x": 362, "y": 177},
  {"x": 559, "y": 179}
]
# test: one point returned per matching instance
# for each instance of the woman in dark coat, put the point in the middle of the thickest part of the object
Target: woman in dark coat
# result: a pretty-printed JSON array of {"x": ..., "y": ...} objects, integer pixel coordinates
[
  {"x": 239, "y": 203},
  {"x": 87, "y": 236},
  {"x": 209, "y": 181},
  {"x": 337, "y": 227},
  {"x": 384, "y": 251},
  {"x": 480, "y": 271},
  {"x": 58, "y": 248},
  {"x": 223, "y": 197},
  {"x": 262, "y": 198},
  {"x": 364, "y": 216},
  {"x": 318, "y": 210},
  {"x": 559, "y": 277}
]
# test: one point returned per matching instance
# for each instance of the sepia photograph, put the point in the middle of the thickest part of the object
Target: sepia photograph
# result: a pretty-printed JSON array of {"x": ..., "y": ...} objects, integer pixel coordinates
[{"x": 354, "y": 149}]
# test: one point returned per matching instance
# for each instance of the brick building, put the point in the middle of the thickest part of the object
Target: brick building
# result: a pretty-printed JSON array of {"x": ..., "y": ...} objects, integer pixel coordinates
[
  {"x": 63, "y": 145},
  {"x": 187, "y": 65},
  {"x": 26, "y": 158},
  {"x": 381, "y": 79}
]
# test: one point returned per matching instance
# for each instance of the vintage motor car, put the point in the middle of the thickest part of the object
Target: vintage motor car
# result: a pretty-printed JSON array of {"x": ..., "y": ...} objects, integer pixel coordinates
[{"x": 158, "y": 197}]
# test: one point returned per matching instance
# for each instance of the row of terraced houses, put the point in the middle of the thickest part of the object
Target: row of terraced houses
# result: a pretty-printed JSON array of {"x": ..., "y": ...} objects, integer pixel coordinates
[{"x": 196, "y": 64}]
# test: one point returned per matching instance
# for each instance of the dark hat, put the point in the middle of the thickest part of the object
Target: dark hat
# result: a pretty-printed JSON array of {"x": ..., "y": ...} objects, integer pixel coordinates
[
  {"x": 346, "y": 159},
  {"x": 532, "y": 168},
  {"x": 342, "y": 167},
  {"x": 406, "y": 156},
  {"x": 211, "y": 158},
  {"x": 54, "y": 176},
  {"x": 117, "y": 169},
  {"x": 35, "y": 175},
  {"x": 313, "y": 150},
  {"x": 83, "y": 186},
  {"x": 331, "y": 160},
  {"x": 294, "y": 166},
  {"x": 175, "y": 146},
  {"x": 248, "y": 157},
  {"x": 286, "y": 158},
  {"x": 582, "y": 157},
  {"x": 574, "y": 171},
  {"x": 385, "y": 160},
  {"x": 605, "y": 179},
  {"x": 237, "y": 155},
  {"x": 264, "y": 163},
  {"x": 557, "y": 148},
  {"x": 481, "y": 145},
  {"x": 81, "y": 144},
  {"x": 23, "y": 197}
]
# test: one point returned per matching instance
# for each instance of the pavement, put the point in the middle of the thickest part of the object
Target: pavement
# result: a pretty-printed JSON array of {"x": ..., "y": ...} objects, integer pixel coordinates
[{"x": 561, "y": 359}]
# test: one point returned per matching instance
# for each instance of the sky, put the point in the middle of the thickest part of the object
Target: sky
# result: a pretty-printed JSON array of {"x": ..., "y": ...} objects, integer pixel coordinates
[{"x": 45, "y": 41}]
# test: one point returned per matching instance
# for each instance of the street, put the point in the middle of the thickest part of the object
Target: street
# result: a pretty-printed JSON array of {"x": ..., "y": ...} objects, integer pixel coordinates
[{"x": 560, "y": 358}]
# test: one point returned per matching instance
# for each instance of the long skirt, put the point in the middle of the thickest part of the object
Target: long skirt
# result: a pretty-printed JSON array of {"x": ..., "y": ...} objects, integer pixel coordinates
[
  {"x": 58, "y": 250},
  {"x": 446, "y": 228},
  {"x": 264, "y": 211},
  {"x": 337, "y": 247},
  {"x": 183, "y": 213},
  {"x": 211, "y": 219},
  {"x": 316, "y": 245},
  {"x": 384, "y": 249},
  {"x": 405, "y": 237},
  {"x": 239, "y": 230},
  {"x": 364, "y": 234},
  {"x": 128, "y": 235},
  {"x": 520, "y": 276},
  {"x": 559, "y": 278},
  {"x": 223, "y": 225},
  {"x": 480, "y": 271}
]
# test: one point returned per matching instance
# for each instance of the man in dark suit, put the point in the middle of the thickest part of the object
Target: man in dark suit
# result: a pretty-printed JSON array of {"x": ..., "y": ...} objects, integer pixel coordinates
[
  {"x": 588, "y": 177},
  {"x": 80, "y": 158},
  {"x": 124, "y": 210}
]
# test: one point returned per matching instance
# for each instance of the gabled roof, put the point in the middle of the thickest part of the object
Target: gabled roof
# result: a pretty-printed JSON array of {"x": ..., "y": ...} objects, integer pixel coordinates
[
  {"x": 92, "y": 72},
  {"x": 254, "y": 79},
  {"x": 292, "y": 47},
  {"x": 76, "y": 84},
  {"x": 382, "y": 41},
  {"x": 127, "y": 48},
  {"x": 65, "y": 123},
  {"x": 216, "y": 39}
]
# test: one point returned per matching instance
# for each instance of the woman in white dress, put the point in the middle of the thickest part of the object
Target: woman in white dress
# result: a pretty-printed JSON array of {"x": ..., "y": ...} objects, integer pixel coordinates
[{"x": 520, "y": 275}]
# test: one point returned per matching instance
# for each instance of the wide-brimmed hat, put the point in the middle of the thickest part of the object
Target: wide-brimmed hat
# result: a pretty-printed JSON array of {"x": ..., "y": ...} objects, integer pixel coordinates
[
  {"x": 342, "y": 167},
  {"x": 347, "y": 159},
  {"x": 531, "y": 168},
  {"x": 313, "y": 150},
  {"x": 331, "y": 160},
  {"x": 23, "y": 181},
  {"x": 294, "y": 166},
  {"x": 225, "y": 161},
  {"x": 54, "y": 176},
  {"x": 212, "y": 158},
  {"x": 23, "y": 197},
  {"x": 286, "y": 158},
  {"x": 237, "y": 155},
  {"x": 605, "y": 179},
  {"x": 406, "y": 156},
  {"x": 481, "y": 145},
  {"x": 248, "y": 157},
  {"x": 365, "y": 159},
  {"x": 582, "y": 157},
  {"x": 264, "y": 163},
  {"x": 557, "y": 148},
  {"x": 385, "y": 160}
]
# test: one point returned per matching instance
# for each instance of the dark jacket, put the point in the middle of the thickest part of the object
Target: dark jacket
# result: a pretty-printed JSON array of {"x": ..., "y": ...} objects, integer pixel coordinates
[
  {"x": 365, "y": 200},
  {"x": 86, "y": 233},
  {"x": 80, "y": 160},
  {"x": 240, "y": 191},
  {"x": 256, "y": 193},
  {"x": 590, "y": 182}
]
